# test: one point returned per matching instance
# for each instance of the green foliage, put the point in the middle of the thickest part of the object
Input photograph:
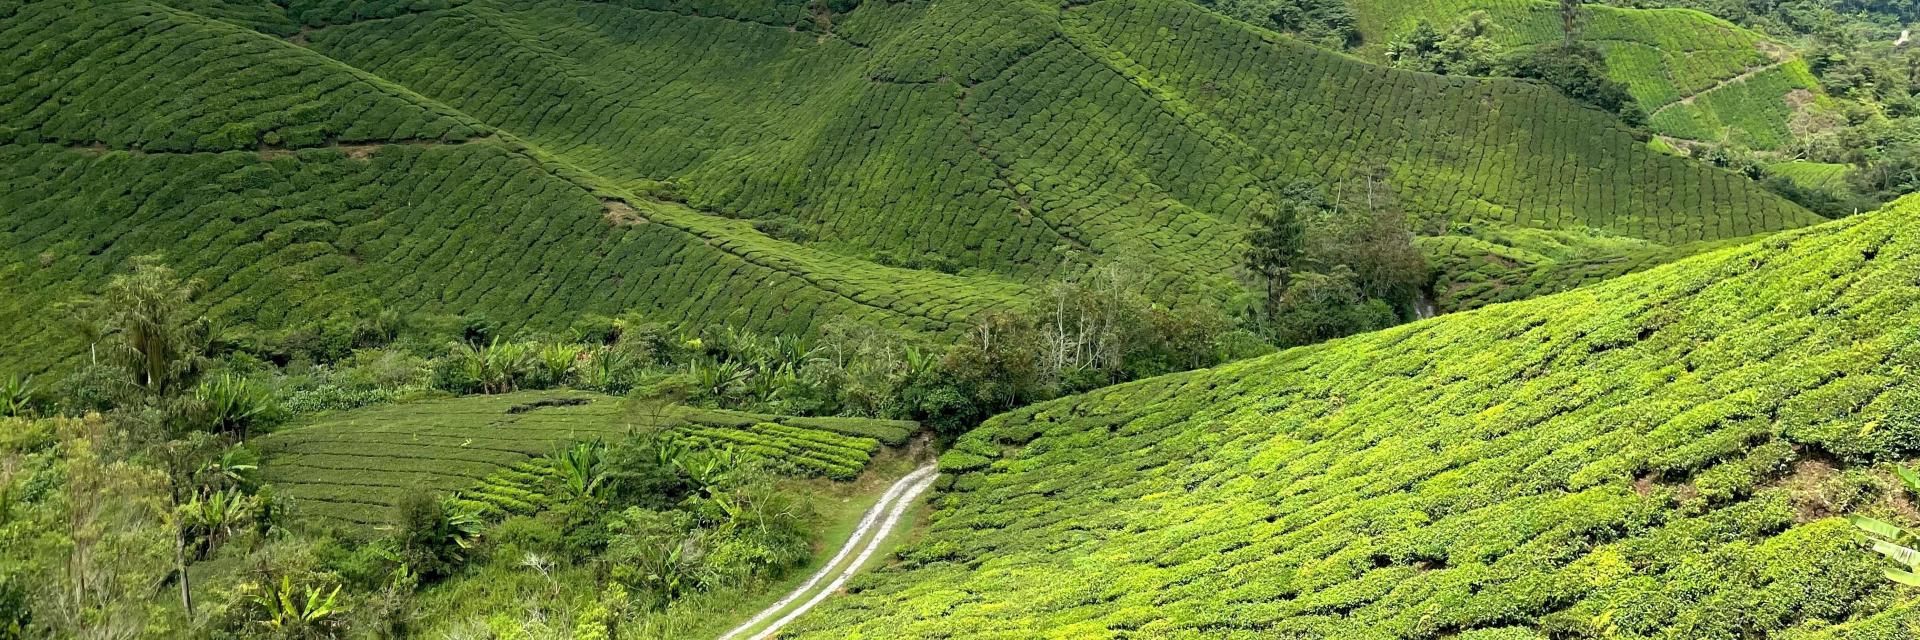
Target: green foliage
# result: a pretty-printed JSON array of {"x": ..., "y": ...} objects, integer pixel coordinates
[
  {"x": 233, "y": 405},
  {"x": 434, "y": 533},
  {"x": 1580, "y": 71},
  {"x": 144, "y": 324},
  {"x": 1468, "y": 48},
  {"x": 582, "y": 470},
  {"x": 1327, "y": 22},
  {"x": 288, "y": 614},
  {"x": 85, "y": 550},
  {"x": 314, "y": 179},
  {"x": 1543, "y": 465},
  {"x": 491, "y": 452},
  {"x": 1894, "y": 541},
  {"x": 16, "y": 395}
]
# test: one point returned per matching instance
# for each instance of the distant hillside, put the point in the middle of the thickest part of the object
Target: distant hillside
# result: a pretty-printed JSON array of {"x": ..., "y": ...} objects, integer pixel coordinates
[
  {"x": 1660, "y": 456},
  {"x": 765, "y": 164},
  {"x": 1698, "y": 77}
]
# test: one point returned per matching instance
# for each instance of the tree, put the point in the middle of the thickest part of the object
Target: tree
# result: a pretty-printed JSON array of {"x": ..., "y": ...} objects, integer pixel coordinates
[
  {"x": 1468, "y": 49},
  {"x": 146, "y": 323},
  {"x": 1278, "y": 241},
  {"x": 1579, "y": 71},
  {"x": 1368, "y": 232},
  {"x": 1570, "y": 20}
]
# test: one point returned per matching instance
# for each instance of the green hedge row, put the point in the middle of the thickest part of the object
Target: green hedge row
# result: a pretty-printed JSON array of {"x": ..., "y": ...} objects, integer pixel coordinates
[
  {"x": 1662, "y": 56},
  {"x": 138, "y": 75},
  {"x": 1007, "y": 136},
  {"x": 805, "y": 451},
  {"x": 438, "y": 229},
  {"x": 474, "y": 449},
  {"x": 1664, "y": 455}
]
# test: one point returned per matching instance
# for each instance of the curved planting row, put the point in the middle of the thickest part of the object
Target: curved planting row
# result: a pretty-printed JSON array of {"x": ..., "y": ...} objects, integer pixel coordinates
[
  {"x": 1683, "y": 66},
  {"x": 1458, "y": 149},
  {"x": 1010, "y": 136},
  {"x": 442, "y": 229},
  {"x": 804, "y": 451},
  {"x": 353, "y": 468},
  {"x": 131, "y": 74},
  {"x": 489, "y": 451},
  {"x": 1664, "y": 455}
]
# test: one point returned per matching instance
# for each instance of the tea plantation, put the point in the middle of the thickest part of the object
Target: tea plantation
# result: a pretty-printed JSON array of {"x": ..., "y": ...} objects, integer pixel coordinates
[
  {"x": 768, "y": 165},
  {"x": 1663, "y": 455},
  {"x": 352, "y": 468},
  {"x": 1015, "y": 131},
  {"x": 1697, "y": 76}
]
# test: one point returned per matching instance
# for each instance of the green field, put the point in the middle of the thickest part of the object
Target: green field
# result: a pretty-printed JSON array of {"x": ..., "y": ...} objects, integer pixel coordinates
[
  {"x": 1697, "y": 76},
  {"x": 1813, "y": 175},
  {"x": 352, "y": 468},
  {"x": 1663, "y": 455},
  {"x": 755, "y": 164}
]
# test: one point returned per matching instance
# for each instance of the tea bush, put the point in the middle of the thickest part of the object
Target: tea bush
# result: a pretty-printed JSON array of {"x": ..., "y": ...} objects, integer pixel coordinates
[{"x": 1649, "y": 457}]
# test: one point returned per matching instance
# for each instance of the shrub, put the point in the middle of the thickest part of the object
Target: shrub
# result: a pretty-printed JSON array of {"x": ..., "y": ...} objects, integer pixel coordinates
[
  {"x": 433, "y": 533},
  {"x": 233, "y": 405}
]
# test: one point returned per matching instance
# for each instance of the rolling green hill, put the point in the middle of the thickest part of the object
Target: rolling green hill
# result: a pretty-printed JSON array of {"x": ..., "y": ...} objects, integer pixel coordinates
[
  {"x": 761, "y": 164},
  {"x": 1698, "y": 77},
  {"x": 1663, "y": 455}
]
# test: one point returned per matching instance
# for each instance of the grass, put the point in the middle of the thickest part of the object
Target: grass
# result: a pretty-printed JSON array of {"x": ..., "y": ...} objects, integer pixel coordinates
[
  {"x": 909, "y": 164},
  {"x": 1663, "y": 455},
  {"x": 351, "y": 468}
]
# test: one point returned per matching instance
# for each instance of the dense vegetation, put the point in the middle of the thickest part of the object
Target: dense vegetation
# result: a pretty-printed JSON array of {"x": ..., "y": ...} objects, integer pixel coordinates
[
  {"x": 1663, "y": 455},
  {"x": 593, "y": 319},
  {"x": 934, "y": 160}
]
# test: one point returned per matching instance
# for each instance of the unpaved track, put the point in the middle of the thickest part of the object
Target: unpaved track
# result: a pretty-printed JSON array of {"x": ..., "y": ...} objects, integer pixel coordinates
[{"x": 873, "y": 530}]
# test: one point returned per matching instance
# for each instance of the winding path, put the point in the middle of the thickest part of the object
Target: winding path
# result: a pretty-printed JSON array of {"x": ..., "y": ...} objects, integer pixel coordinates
[{"x": 867, "y": 537}]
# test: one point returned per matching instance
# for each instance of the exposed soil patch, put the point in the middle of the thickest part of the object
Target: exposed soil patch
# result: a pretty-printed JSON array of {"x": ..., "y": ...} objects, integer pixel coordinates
[
  {"x": 622, "y": 213},
  {"x": 549, "y": 402}
]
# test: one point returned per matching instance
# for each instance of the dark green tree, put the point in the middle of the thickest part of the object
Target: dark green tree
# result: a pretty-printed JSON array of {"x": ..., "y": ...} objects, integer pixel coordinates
[{"x": 1279, "y": 239}]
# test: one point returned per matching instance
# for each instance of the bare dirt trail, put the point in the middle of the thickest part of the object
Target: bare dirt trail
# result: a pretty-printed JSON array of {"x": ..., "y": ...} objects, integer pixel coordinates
[{"x": 874, "y": 528}]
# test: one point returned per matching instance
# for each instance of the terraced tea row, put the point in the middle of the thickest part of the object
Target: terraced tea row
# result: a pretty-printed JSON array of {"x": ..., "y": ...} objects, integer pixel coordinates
[
  {"x": 1006, "y": 135},
  {"x": 439, "y": 229},
  {"x": 139, "y": 75},
  {"x": 495, "y": 226},
  {"x": 1664, "y": 455},
  {"x": 354, "y": 467},
  {"x": 1700, "y": 77}
]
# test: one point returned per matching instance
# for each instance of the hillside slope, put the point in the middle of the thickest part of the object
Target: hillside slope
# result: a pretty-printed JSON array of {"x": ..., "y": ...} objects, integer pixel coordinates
[
  {"x": 1697, "y": 77},
  {"x": 296, "y": 187},
  {"x": 755, "y": 163},
  {"x": 999, "y": 135},
  {"x": 1660, "y": 456}
]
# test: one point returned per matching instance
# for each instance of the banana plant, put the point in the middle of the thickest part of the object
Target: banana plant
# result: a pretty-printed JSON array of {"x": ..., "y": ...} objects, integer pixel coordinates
[
  {"x": 557, "y": 361},
  {"x": 236, "y": 467},
  {"x": 16, "y": 395},
  {"x": 286, "y": 611},
  {"x": 1893, "y": 541},
  {"x": 216, "y": 515},
  {"x": 582, "y": 469}
]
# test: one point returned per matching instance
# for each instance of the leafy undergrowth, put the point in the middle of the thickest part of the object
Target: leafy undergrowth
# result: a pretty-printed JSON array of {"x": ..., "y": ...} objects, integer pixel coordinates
[
  {"x": 1664, "y": 455},
  {"x": 353, "y": 468}
]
